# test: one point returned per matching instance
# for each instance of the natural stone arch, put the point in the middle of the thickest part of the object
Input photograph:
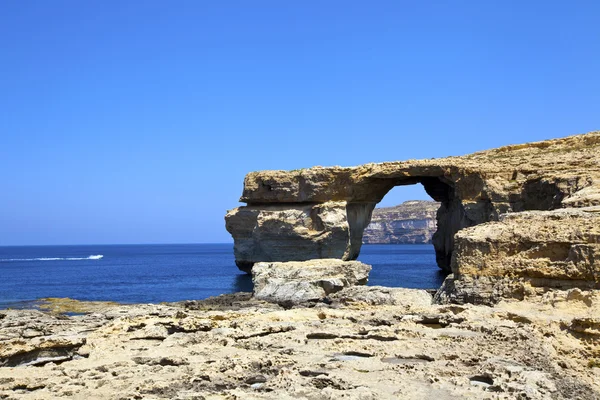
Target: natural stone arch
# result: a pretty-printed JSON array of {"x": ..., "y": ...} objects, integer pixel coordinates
[
  {"x": 321, "y": 212},
  {"x": 277, "y": 229}
]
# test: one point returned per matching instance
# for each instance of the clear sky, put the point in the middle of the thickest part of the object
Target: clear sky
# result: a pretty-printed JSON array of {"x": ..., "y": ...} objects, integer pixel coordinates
[{"x": 136, "y": 121}]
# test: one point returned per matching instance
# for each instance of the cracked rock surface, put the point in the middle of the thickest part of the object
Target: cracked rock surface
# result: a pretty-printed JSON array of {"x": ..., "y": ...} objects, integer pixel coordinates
[{"x": 368, "y": 343}]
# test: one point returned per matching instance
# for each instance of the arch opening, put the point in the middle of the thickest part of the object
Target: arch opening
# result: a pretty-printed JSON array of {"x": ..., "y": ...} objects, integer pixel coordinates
[
  {"x": 450, "y": 216},
  {"x": 397, "y": 241}
]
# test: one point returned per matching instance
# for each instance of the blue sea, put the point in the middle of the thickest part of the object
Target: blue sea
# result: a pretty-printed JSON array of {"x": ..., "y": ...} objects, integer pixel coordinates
[{"x": 171, "y": 272}]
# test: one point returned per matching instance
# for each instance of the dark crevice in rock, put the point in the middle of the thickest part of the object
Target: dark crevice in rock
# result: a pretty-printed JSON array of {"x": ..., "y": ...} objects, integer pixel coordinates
[
  {"x": 326, "y": 335},
  {"x": 358, "y": 354},
  {"x": 40, "y": 357},
  {"x": 338, "y": 384},
  {"x": 245, "y": 266},
  {"x": 322, "y": 335},
  {"x": 313, "y": 373},
  {"x": 438, "y": 190},
  {"x": 29, "y": 388},
  {"x": 540, "y": 194},
  {"x": 271, "y": 331},
  {"x": 162, "y": 361},
  {"x": 171, "y": 329},
  {"x": 482, "y": 378}
]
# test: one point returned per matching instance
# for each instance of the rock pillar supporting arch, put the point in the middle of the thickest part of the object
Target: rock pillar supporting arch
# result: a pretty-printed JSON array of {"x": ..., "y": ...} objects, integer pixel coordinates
[{"x": 451, "y": 217}]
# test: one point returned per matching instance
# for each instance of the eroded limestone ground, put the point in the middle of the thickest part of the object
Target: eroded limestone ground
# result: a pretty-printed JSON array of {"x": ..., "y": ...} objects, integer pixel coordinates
[{"x": 236, "y": 348}]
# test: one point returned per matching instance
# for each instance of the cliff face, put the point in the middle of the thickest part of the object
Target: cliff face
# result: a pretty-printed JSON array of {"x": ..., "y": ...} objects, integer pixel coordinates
[
  {"x": 322, "y": 212},
  {"x": 525, "y": 254},
  {"x": 408, "y": 223}
]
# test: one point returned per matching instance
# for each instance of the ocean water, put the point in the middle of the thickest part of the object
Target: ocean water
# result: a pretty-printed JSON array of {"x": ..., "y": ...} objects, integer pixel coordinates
[
  {"x": 402, "y": 265},
  {"x": 157, "y": 273}
]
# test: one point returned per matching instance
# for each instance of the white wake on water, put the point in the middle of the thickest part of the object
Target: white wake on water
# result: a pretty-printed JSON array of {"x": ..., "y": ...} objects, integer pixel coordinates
[{"x": 92, "y": 257}]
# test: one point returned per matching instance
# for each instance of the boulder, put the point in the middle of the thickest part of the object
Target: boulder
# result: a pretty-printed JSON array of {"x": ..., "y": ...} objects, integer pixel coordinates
[{"x": 296, "y": 282}]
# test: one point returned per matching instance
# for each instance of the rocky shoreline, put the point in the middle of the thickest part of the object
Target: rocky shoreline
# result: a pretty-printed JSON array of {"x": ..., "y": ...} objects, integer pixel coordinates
[
  {"x": 363, "y": 343},
  {"x": 517, "y": 318}
]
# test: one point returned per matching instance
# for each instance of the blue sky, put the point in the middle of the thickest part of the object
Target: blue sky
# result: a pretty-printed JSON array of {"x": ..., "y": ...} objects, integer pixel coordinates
[{"x": 136, "y": 121}]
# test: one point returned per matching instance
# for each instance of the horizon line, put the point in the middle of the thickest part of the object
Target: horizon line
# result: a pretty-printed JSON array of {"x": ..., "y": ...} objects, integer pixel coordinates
[{"x": 113, "y": 244}]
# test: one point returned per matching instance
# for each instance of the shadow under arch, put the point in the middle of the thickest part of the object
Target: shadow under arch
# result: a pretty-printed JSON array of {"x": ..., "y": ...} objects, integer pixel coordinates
[{"x": 243, "y": 283}]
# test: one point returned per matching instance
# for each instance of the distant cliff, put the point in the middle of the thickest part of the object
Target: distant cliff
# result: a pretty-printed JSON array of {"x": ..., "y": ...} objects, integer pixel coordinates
[{"x": 410, "y": 222}]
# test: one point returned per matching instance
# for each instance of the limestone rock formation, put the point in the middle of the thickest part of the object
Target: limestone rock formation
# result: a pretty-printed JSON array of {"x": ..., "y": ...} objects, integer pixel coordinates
[
  {"x": 296, "y": 282},
  {"x": 362, "y": 346},
  {"x": 295, "y": 232},
  {"x": 525, "y": 254},
  {"x": 322, "y": 212},
  {"x": 411, "y": 222},
  {"x": 513, "y": 222}
]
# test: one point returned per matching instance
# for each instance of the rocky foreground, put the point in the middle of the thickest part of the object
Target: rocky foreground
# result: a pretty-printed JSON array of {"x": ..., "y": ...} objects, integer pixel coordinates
[{"x": 367, "y": 343}]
